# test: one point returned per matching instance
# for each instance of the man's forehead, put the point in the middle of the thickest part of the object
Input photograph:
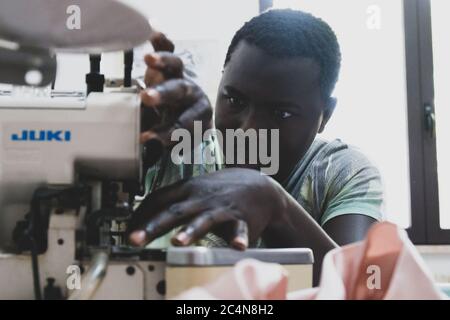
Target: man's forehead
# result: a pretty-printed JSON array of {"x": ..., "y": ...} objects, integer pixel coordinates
[{"x": 251, "y": 66}]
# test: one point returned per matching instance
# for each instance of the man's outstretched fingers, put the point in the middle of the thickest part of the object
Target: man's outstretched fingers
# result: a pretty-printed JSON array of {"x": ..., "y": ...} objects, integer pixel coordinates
[
  {"x": 153, "y": 77},
  {"x": 150, "y": 98},
  {"x": 164, "y": 65},
  {"x": 155, "y": 202},
  {"x": 201, "y": 225},
  {"x": 200, "y": 111},
  {"x": 174, "y": 216},
  {"x": 176, "y": 94},
  {"x": 160, "y": 42},
  {"x": 240, "y": 237},
  {"x": 179, "y": 92}
]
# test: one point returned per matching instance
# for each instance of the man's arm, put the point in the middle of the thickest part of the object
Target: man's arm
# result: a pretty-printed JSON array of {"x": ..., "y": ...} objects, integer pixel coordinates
[
  {"x": 348, "y": 228},
  {"x": 298, "y": 229}
]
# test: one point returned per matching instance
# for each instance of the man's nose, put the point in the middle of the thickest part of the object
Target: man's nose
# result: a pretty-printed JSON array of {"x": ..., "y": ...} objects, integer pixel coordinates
[{"x": 251, "y": 120}]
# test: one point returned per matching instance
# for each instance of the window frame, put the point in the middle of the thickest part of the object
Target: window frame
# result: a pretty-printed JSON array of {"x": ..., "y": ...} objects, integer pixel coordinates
[{"x": 425, "y": 217}]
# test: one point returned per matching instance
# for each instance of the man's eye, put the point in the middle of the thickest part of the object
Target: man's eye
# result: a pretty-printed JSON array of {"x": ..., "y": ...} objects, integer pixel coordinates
[
  {"x": 281, "y": 114},
  {"x": 236, "y": 103}
]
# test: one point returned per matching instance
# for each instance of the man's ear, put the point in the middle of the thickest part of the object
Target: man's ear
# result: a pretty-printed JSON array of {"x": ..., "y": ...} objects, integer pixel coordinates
[{"x": 330, "y": 105}]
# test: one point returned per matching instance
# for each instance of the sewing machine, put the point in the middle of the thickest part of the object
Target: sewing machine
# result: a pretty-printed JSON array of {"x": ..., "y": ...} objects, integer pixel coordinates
[
  {"x": 70, "y": 161},
  {"x": 71, "y": 168}
]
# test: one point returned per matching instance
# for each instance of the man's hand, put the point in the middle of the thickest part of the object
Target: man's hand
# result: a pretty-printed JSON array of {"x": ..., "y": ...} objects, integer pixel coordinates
[
  {"x": 235, "y": 204},
  {"x": 170, "y": 101},
  {"x": 239, "y": 205}
]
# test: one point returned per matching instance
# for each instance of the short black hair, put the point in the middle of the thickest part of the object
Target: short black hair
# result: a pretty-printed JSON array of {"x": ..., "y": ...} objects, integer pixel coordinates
[{"x": 286, "y": 33}]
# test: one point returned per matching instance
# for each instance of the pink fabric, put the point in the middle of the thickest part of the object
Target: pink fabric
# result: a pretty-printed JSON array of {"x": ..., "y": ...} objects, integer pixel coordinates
[{"x": 348, "y": 273}]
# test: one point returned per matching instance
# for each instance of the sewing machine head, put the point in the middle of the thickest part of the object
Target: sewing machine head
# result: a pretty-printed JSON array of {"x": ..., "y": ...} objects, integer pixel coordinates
[
  {"x": 62, "y": 140},
  {"x": 65, "y": 140}
]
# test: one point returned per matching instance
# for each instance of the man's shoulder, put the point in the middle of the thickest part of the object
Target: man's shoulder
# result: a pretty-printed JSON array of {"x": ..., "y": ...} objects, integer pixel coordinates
[
  {"x": 337, "y": 147},
  {"x": 338, "y": 156},
  {"x": 329, "y": 166},
  {"x": 337, "y": 178}
]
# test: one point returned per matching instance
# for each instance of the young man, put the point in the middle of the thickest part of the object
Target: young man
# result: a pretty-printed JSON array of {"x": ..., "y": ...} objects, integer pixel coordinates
[{"x": 279, "y": 73}]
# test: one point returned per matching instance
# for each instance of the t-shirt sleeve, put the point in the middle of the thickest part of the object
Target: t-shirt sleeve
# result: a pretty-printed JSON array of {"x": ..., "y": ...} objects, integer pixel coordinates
[
  {"x": 354, "y": 186},
  {"x": 165, "y": 172}
]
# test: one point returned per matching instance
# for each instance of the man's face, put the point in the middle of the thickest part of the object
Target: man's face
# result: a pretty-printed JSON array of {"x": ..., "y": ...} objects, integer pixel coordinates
[{"x": 259, "y": 91}]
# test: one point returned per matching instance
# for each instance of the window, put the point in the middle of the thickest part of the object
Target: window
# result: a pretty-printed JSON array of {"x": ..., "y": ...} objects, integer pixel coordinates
[{"x": 441, "y": 54}]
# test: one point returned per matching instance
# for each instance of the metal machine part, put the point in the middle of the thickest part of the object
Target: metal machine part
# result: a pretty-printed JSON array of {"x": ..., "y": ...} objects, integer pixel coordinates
[
  {"x": 83, "y": 26},
  {"x": 31, "y": 32},
  {"x": 94, "y": 79},
  {"x": 134, "y": 273},
  {"x": 196, "y": 266},
  {"x": 27, "y": 66},
  {"x": 93, "y": 278},
  {"x": 115, "y": 272},
  {"x": 202, "y": 256}
]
